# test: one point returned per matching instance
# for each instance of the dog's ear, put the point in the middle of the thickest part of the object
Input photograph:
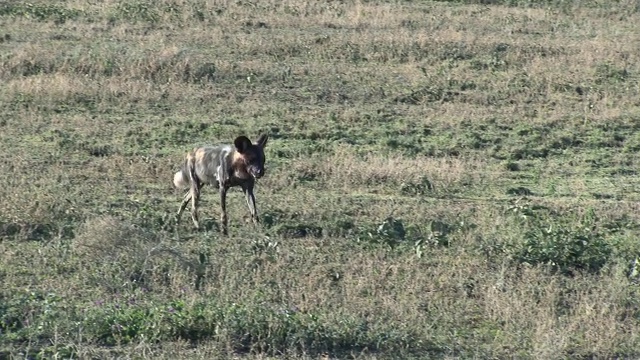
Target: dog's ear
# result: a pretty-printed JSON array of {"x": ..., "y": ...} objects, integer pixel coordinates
[
  {"x": 262, "y": 140},
  {"x": 242, "y": 143}
]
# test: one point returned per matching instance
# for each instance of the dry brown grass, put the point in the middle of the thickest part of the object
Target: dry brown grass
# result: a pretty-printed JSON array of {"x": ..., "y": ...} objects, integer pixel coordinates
[{"x": 444, "y": 116}]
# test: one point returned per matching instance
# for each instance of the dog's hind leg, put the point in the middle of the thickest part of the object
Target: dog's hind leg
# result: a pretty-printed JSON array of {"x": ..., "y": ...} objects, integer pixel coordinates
[
  {"x": 185, "y": 201},
  {"x": 195, "y": 197},
  {"x": 196, "y": 185}
]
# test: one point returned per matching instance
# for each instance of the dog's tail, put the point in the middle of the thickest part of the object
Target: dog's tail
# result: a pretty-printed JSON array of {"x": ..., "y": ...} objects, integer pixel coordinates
[
  {"x": 182, "y": 178},
  {"x": 180, "y": 181}
]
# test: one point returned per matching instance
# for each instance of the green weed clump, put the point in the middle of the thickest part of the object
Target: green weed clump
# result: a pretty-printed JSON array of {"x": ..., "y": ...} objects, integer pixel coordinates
[
  {"x": 252, "y": 328},
  {"x": 40, "y": 11},
  {"x": 565, "y": 246}
]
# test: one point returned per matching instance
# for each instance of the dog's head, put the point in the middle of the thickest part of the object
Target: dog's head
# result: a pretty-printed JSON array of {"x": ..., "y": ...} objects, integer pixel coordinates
[{"x": 252, "y": 154}]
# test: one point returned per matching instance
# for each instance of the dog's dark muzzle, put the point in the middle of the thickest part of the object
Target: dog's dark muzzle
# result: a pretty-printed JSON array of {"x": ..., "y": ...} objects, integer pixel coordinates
[{"x": 257, "y": 173}]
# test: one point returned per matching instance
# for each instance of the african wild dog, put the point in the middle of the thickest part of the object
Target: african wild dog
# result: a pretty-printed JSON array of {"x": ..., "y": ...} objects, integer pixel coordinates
[{"x": 222, "y": 166}]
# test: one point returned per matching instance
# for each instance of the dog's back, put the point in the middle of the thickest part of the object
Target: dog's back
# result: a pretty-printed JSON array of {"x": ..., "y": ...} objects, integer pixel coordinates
[{"x": 210, "y": 165}]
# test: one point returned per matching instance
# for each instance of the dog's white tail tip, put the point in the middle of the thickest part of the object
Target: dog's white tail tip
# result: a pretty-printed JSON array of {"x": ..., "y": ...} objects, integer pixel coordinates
[{"x": 179, "y": 180}]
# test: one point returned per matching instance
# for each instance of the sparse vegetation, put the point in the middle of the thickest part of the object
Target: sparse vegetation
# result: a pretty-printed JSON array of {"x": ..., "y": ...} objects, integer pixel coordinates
[{"x": 446, "y": 179}]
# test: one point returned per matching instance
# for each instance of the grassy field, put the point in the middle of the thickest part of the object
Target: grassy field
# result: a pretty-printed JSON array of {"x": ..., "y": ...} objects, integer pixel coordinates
[{"x": 444, "y": 179}]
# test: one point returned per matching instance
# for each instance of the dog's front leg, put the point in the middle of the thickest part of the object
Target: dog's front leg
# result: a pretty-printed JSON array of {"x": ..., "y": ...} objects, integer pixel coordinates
[
  {"x": 251, "y": 202},
  {"x": 223, "y": 208}
]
